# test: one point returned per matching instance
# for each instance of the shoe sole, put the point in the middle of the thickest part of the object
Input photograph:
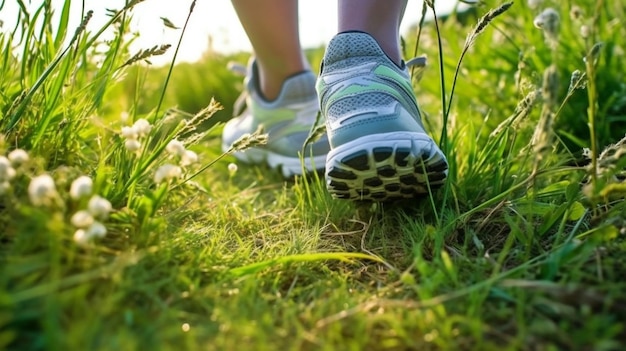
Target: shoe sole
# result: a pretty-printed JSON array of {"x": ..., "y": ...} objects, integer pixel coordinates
[
  {"x": 288, "y": 166},
  {"x": 385, "y": 167}
]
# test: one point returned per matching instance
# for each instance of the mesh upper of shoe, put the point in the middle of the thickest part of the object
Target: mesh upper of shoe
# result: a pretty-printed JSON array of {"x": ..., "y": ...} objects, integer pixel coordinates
[
  {"x": 288, "y": 119},
  {"x": 380, "y": 150}
]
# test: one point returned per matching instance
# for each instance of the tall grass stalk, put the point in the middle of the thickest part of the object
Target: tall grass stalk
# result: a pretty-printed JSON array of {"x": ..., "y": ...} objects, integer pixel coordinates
[
  {"x": 443, "y": 140},
  {"x": 590, "y": 65},
  {"x": 25, "y": 99}
]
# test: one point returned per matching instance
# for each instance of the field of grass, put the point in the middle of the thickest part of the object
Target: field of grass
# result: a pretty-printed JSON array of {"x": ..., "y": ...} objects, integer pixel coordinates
[{"x": 124, "y": 227}]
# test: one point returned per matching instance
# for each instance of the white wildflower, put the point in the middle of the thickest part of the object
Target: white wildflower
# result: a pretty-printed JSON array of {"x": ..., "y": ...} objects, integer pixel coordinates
[
  {"x": 82, "y": 219},
  {"x": 18, "y": 157},
  {"x": 585, "y": 31},
  {"x": 175, "y": 148},
  {"x": 4, "y": 187},
  {"x": 97, "y": 229},
  {"x": 132, "y": 145},
  {"x": 232, "y": 169},
  {"x": 533, "y": 4},
  {"x": 129, "y": 132},
  {"x": 142, "y": 127},
  {"x": 81, "y": 187},
  {"x": 124, "y": 116},
  {"x": 81, "y": 237},
  {"x": 6, "y": 170},
  {"x": 576, "y": 13},
  {"x": 167, "y": 172},
  {"x": 42, "y": 189},
  {"x": 99, "y": 207},
  {"x": 548, "y": 20},
  {"x": 189, "y": 158}
]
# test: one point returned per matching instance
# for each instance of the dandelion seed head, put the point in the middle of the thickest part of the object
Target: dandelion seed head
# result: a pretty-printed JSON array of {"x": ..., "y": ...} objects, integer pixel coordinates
[
  {"x": 41, "y": 189},
  {"x": 82, "y": 219},
  {"x": 132, "y": 145},
  {"x": 167, "y": 172},
  {"x": 188, "y": 158},
  {"x": 142, "y": 126},
  {"x": 175, "y": 148},
  {"x": 81, "y": 187},
  {"x": 99, "y": 207},
  {"x": 18, "y": 157}
]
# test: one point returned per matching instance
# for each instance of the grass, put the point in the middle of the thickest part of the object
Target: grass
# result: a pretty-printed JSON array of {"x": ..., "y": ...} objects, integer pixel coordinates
[{"x": 521, "y": 250}]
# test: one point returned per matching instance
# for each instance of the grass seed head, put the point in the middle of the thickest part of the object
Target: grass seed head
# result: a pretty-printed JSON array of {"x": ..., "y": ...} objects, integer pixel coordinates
[
  {"x": 484, "y": 21},
  {"x": 550, "y": 87},
  {"x": 248, "y": 140}
]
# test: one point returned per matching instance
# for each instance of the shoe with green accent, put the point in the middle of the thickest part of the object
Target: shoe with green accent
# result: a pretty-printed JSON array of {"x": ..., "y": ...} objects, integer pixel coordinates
[
  {"x": 287, "y": 120},
  {"x": 379, "y": 149}
]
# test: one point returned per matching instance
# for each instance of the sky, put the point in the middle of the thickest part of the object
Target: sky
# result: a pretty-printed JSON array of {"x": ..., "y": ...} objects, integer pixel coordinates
[{"x": 214, "y": 18}]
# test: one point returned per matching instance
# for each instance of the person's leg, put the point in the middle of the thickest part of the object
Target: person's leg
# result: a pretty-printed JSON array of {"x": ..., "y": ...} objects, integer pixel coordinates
[
  {"x": 380, "y": 19},
  {"x": 379, "y": 148},
  {"x": 272, "y": 28}
]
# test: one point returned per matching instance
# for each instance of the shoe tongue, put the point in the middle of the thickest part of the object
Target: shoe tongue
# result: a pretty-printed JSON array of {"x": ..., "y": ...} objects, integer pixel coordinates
[{"x": 352, "y": 45}]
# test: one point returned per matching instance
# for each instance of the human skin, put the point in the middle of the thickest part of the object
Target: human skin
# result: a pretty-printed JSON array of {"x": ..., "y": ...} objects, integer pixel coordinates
[{"x": 272, "y": 28}]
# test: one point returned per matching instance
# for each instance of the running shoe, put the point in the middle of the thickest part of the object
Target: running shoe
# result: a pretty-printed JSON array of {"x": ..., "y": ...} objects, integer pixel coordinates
[
  {"x": 379, "y": 148},
  {"x": 288, "y": 120}
]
